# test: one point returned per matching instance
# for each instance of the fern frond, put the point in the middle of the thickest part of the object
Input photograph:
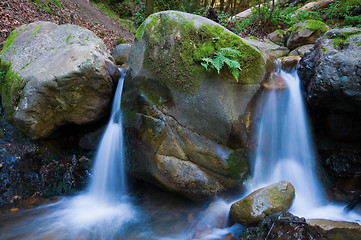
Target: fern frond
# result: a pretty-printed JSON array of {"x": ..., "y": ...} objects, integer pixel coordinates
[
  {"x": 218, "y": 62},
  {"x": 235, "y": 73},
  {"x": 231, "y": 52},
  {"x": 232, "y": 63}
]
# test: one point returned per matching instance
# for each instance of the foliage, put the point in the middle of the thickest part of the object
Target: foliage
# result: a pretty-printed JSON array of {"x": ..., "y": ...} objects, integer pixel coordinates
[
  {"x": 346, "y": 12},
  {"x": 228, "y": 56},
  {"x": 49, "y": 6},
  {"x": 119, "y": 40},
  {"x": 264, "y": 20}
]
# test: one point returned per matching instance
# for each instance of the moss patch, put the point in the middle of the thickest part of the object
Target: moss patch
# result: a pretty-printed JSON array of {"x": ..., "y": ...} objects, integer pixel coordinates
[
  {"x": 68, "y": 38},
  {"x": 9, "y": 41},
  {"x": 35, "y": 32},
  {"x": 340, "y": 39},
  {"x": 176, "y": 48},
  {"x": 139, "y": 32},
  {"x": 312, "y": 25},
  {"x": 324, "y": 49},
  {"x": 237, "y": 163},
  {"x": 316, "y": 26},
  {"x": 119, "y": 40},
  {"x": 11, "y": 87}
]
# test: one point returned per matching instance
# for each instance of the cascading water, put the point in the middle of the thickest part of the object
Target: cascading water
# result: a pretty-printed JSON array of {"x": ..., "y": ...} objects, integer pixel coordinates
[
  {"x": 103, "y": 211},
  {"x": 109, "y": 175},
  {"x": 285, "y": 149}
]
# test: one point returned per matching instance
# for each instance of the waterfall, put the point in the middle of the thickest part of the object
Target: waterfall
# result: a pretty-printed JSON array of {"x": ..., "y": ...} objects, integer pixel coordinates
[
  {"x": 284, "y": 143},
  {"x": 285, "y": 151},
  {"x": 104, "y": 207},
  {"x": 109, "y": 174}
]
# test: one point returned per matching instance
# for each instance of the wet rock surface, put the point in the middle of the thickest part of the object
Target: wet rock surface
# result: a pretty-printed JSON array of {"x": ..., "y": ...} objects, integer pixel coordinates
[
  {"x": 336, "y": 230},
  {"x": 275, "y": 198},
  {"x": 283, "y": 226},
  {"x": 330, "y": 73},
  {"x": 40, "y": 168}
]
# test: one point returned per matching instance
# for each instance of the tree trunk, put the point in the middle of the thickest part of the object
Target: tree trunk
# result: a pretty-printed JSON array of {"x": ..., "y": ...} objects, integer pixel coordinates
[
  {"x": 221, "y": 5},
  {"x": 149, "y": 8},
  {"x": 212, "y": 3},
  {"x": 272, "y": 9}
]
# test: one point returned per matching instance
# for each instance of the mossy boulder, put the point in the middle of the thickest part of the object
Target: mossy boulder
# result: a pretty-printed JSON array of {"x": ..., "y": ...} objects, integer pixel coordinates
[
  {"x": 306, "y": 32},
  {"x": 275, "y": 198},
  {"x": 53, "y": 75},
  {"x": 180, "y": 114}
]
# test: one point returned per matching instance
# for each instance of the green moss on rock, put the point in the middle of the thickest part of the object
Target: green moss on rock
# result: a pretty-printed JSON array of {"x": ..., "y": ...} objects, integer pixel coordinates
[
  {"x": 312, "y": 25},
  {"x": 316, "y": 25},
  {"x": 139, "y": 32},
  {"x": 9, "y": 41},
  {"x": 35, "y": 32},
  {"x": 237, "y": 163},
  {"x": 341, "y": 38},
  {"x": 11, "y": 87},
  {"x": 176, "y": 48}
]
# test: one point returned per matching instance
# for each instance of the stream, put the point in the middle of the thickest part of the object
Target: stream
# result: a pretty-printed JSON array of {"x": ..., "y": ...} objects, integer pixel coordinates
[{"x": 108, "y": 209}]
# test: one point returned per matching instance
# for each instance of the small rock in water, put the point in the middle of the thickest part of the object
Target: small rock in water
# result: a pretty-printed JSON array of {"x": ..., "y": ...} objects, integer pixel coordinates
[
  {"x": 275, "y": 198},
  {"x": 276, "y": 83}
]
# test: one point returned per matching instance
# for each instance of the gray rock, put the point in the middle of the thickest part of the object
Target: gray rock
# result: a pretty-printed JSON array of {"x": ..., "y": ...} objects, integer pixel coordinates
[
  {"x": 332, "y": 71},
  {"x": 277, "y": 37},
  {"x": 306, "y": 32},
  {"x": 336, "y": 230},
  {"x": 56, "y": 75},
  {"x": 121, "y": 53},
  {"x": 182, "y": 115},
  {"x": 268, "y": 50},
  {"x": 300, "y": 51},
  {"x": 275, "y": 198}
]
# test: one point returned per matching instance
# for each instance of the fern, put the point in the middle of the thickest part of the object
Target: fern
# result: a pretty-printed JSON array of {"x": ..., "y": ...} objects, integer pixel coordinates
[{"x": 228, "y": 56}]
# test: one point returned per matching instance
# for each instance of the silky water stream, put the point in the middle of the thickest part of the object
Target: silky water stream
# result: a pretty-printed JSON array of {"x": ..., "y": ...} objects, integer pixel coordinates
[
  {"x": 284, "y": 149},
  {"x": 106, "y": 210}
]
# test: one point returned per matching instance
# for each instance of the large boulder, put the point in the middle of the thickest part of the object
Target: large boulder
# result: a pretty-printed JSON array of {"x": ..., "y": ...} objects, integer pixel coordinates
[
  {"x": 331, "y": 71},
  {"x": 275, "y": 198},
  {"x": 306, "y": 32},
  {"x": 184, "y": 121},
  {"x": 331, "y": 75},
  {"x": 54, "y": 75}
]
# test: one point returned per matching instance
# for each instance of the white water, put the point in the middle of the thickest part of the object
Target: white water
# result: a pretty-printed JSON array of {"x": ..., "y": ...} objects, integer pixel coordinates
[
  {"x": 109, "y": 174},
  {"x": 103, "y": 211},
  {"x": 285, "y": 151}
]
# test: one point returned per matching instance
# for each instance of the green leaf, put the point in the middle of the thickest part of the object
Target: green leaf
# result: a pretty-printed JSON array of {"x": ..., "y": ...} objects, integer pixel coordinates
[
  {"x": 205, "y": 65},
  {"x": 232, "y": 63},
  {"x": 218, "y": 63},
  {"x": 235, "y": 73},
  {"x": 231, "y": 52}
]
